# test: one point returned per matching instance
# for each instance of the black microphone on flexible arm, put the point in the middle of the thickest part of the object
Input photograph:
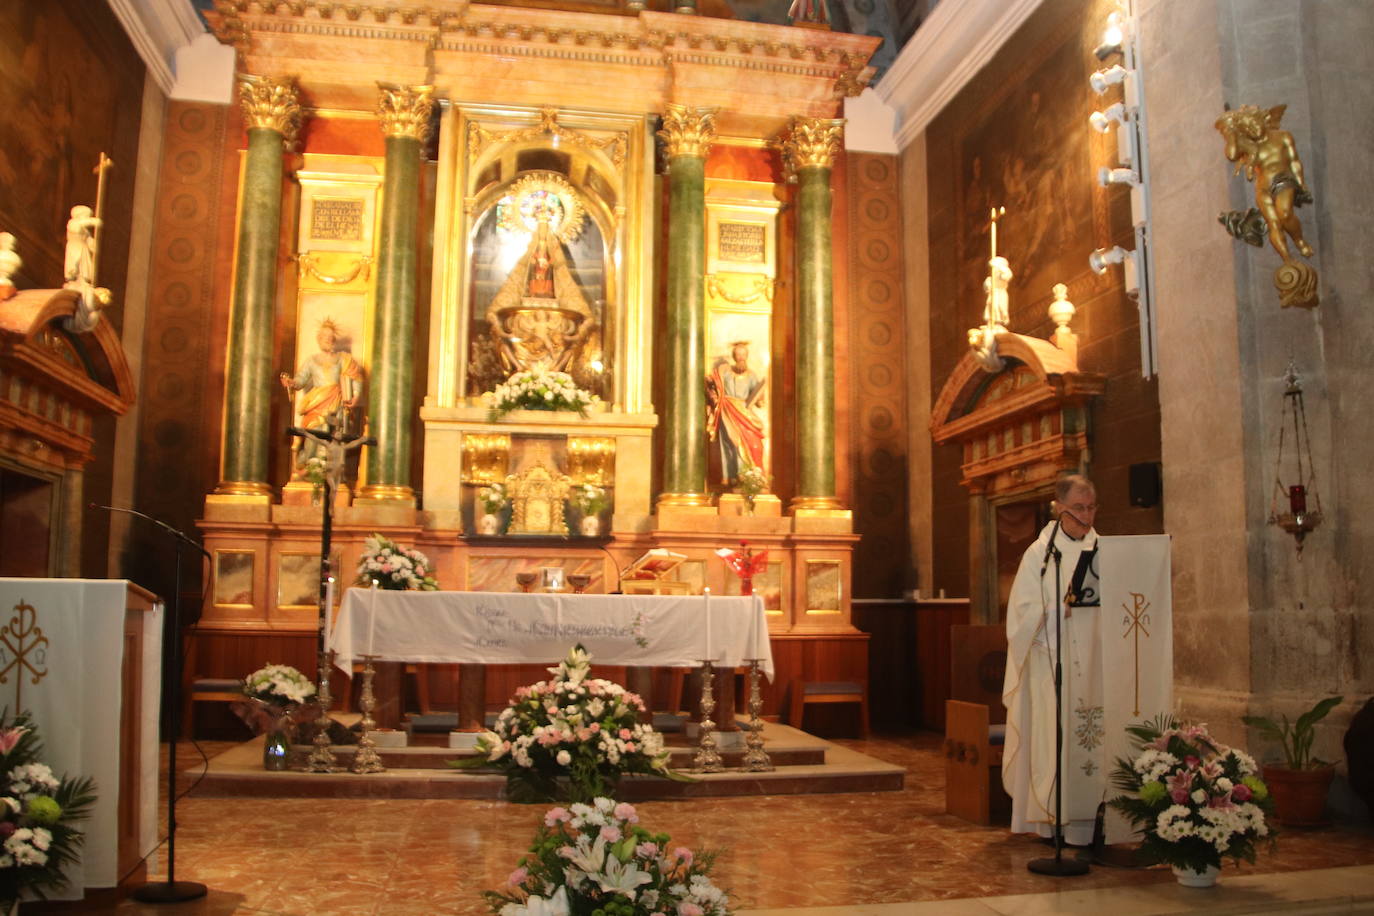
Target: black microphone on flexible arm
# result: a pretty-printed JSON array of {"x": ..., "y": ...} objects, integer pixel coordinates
[
  {"x": 1053, "y": 550},
  {"x": 161, "y": 524},
  {"x": 618, "y": 570}
]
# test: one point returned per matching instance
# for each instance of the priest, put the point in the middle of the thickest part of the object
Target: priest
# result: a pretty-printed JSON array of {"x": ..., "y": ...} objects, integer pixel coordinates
[{"x": 1057, "y": 577}]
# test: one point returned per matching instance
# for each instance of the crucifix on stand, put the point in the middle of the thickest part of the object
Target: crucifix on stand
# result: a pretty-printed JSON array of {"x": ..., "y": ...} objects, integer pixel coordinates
[{"x": 335, "y": 442}]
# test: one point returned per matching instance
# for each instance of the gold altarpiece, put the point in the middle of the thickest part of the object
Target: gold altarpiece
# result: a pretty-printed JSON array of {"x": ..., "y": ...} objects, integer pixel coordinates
[
  {"x": 533, "y": 103},
  {"x": 498, "y": 168}
]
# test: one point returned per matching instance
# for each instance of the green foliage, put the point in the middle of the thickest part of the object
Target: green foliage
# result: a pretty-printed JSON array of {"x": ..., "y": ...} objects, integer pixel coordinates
[{"x": 1296, "y": 738}]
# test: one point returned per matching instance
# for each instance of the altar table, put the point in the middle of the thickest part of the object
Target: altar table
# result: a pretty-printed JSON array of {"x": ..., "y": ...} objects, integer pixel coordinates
[{"x": 503, "y": 628}]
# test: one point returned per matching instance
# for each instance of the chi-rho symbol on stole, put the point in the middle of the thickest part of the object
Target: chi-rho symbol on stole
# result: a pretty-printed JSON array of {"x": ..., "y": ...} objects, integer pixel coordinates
[
  {"x": 23, "y": 651},
  {"x": 1135, "y": 620}
]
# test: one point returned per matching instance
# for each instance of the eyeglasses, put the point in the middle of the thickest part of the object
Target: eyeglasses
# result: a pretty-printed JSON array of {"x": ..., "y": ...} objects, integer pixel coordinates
[{"x": 1082, "y": 507}]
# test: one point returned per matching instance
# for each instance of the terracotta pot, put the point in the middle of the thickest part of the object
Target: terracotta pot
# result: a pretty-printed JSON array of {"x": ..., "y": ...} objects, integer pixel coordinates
[{"x": 1299, "y": 795}]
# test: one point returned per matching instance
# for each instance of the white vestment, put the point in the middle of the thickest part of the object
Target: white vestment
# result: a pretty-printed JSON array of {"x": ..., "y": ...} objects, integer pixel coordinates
[{"x": 1028, "y": 693}]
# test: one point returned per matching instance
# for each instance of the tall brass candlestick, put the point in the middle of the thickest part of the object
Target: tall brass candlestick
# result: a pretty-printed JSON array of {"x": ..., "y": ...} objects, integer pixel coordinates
[
  {"x": 707, "y": 759},
  {"x": 756, "y": 759},
  {"x": 321, "y": 759},
  {"x": 367, "y": 760}
]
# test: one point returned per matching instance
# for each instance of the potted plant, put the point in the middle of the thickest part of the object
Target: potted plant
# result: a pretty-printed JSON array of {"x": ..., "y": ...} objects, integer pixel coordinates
[
  {"x": 590, "y": 500},
  {"x": 1301, "y": 782},
  {"x": 492, "y": 499},
  {"x": 39, "y": 818},
  {"x": 1193, "y": 799}
]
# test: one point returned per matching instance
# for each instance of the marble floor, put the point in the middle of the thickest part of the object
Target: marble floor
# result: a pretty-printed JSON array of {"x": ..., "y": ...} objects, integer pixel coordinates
[{"x": 870, "y": 854}]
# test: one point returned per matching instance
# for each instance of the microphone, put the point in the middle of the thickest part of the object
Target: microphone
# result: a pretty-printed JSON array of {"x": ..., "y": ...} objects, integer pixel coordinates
[
  {"x": 1080, "y": 521},
  {"x": 618, "y": 570},
  {"x": 1053, "y": 551},
  {"x": 161, "y": 524}
]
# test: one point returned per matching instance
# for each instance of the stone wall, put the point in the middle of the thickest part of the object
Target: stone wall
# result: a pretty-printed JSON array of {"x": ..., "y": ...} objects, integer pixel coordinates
[{"x": 1258, "y": 627}]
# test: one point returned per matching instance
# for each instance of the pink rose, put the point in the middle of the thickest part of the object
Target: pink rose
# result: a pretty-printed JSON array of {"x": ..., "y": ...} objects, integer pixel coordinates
[
  {"x": 610, "y": 834},
  {"x": 646, "y": 850},
  {"x": 518, "y": 876},
  {"x": 556, "y": 815},
  {"x": 625, "y": 734},
  {"x": 683, "y": 855},
  {"x": 687, "y": 908},
  {"x": 1241, "y": 792},
  {"x": 626, "y": 812}
]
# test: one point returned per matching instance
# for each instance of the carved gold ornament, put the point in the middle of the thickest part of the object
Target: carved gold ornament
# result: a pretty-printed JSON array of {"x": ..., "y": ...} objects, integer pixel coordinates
[
  {"x": 550, "y": 193},
  {"x": 812, "y": 143},
  {"x": 688, "y": 131},
  {"x": 1269, "y": 158},
  {"x": 309, "y": 266},
  {"x": 271, "y": 103},
  {"x": 479, "y": 138},
  {"x": 405, "y": 110}
]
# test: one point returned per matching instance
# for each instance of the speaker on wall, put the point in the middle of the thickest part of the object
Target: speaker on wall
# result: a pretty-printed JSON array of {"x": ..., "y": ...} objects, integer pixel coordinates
[{"x": 1145, "y": 484}]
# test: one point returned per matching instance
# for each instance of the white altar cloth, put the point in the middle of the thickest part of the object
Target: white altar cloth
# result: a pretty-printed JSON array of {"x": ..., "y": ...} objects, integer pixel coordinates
[{"x": 502, "y": 628}]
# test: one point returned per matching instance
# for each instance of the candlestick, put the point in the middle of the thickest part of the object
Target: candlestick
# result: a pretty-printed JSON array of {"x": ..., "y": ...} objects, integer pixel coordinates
[
  {"x": 706, "y": 593},
  {"x": 372, "y": 618}
]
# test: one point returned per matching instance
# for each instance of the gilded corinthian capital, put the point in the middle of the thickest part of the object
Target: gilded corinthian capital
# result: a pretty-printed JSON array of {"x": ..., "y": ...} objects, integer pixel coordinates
[
  {"x": 812, "y": 142},
  {"x": 405, "y": 110},
  {"x": 688, "y": 131},
  {"x": 271, "y": 103}
]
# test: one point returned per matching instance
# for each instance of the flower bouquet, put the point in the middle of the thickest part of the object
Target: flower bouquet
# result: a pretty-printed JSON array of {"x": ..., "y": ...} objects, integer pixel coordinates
[
  {"x": 37, "y": 815},
  {"x": 394, "y": 567},
  {"x": 1194, "y": 799},
  {"x": 537, "y": 389},
  {"x": 493, "y": 498},
  {"x": 597, "y": 859},
  {"x": 570, "y": 738},
  {"x": 588, "y": 499},
  {"x": 274, "y": 702},
  {"x": 752, "y": 481}
]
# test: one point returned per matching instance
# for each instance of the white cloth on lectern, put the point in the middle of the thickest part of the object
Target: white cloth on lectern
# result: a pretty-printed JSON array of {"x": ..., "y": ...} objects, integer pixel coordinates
[
  {"x": 1028, "y": 768},
  {"x": 1137, "y": 645},
  {"x": 74, "y": 646}
]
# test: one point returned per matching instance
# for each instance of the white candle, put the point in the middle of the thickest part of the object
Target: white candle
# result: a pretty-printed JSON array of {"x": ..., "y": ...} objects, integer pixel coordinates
[
  {"x": 706, "y": 592},
  {"x": 328, "y": 611},
  {"x": 372, "y": 618},
  {"x": 753, "y": 631}
]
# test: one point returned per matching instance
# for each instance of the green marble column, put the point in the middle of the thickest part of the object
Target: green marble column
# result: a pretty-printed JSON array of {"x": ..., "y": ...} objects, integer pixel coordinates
[
  {"x": 810, "y": 150},
  {"x": 272, "y": 115},
  {"x": 686, "y": 134},
  {"x": 405, "y": 115}
]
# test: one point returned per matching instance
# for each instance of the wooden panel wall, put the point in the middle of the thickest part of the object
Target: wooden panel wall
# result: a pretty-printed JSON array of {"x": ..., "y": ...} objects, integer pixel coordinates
[
  {"x": 71, "y": 87},
  {"x": 1018, "y": 136}
]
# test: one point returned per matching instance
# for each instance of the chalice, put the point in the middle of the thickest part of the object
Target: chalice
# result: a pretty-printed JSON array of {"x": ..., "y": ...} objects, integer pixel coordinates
[
  {"x": 579, "y": 582},
  {"x": 526, "y": 580}
]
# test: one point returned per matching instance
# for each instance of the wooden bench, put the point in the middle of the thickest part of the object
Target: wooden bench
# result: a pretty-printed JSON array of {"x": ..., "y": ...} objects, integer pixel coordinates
[
  {"x": 806, "y": 692},
  {"x": 975, "y": 725}
]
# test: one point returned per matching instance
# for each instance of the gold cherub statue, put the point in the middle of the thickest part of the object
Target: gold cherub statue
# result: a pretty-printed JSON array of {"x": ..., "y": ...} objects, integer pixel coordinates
[{"x": 1270, "y": 159}]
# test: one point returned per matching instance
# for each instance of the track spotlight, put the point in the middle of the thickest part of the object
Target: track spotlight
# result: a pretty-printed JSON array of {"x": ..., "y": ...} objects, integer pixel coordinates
[
  {"x": 1103, "y": 120},
  {"x": 1101, "y": 79},
  {"x": 1109, "y": 176},
  {"x": 1103, "y": 258},
  {"x": 1112, "y": 38}
]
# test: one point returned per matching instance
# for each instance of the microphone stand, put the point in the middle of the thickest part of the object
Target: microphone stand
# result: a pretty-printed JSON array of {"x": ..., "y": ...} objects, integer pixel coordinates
[
  {"x": 171, "y": 890},
  {"x": 1058, "y": 866}
]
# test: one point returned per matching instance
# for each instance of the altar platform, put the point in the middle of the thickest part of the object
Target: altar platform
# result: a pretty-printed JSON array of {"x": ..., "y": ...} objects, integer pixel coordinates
[{"x": 805, "y": 764}]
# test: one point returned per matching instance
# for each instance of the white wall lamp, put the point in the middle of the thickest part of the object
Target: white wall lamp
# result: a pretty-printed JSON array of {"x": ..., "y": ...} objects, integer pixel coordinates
[{"x": 1127, "y": 118}]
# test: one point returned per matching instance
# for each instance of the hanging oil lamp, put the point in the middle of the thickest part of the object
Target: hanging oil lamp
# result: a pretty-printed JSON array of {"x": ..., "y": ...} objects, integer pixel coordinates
[{"x": 1299, "y": 497}]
